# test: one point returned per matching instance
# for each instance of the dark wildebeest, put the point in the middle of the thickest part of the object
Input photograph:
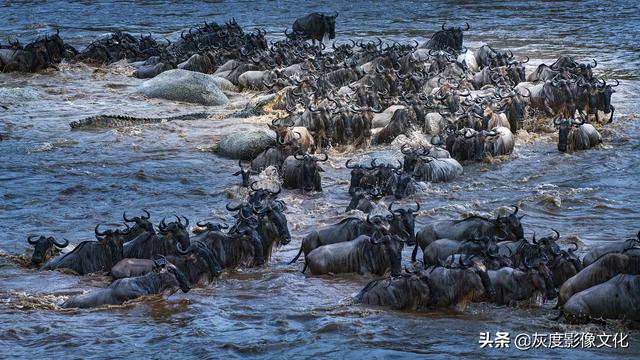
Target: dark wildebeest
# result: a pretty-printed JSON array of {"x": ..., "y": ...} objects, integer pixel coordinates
[
  {"x": 616, "y": 247},
  {"x": 165, "y": 276},
  {"x": 405, "y": 292},
  {"x": 598, "y": 272},
  {"x": 447, "y": 39},
  {"x": 576, "y": 135},
  {"x": 315, "y": 26},
  {"x": 362, "y": 255},
  {"x": 197, "y": 262},
  {"x": 517, "y": 285},
  {"x": 459, "y": 286},
  {"x": 92, "y": 256},
  {"x": 44, "y": 248},
  {"x": 618, "y": 298},
  {"x": 503, "y": 226},
  {"x": 302, "y": 171},
  {"x": 146, "y": 246},
  {"x": 346, "y": 230},
  {"x": 246, "y": 171}
]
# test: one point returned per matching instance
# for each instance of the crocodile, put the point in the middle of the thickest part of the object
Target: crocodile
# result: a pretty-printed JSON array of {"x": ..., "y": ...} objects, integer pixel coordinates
[{"x": 117, "y": 121}]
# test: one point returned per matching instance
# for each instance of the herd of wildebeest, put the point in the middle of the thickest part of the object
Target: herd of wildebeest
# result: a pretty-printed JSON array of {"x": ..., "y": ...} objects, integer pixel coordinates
[{"x": 466, "y": 106}]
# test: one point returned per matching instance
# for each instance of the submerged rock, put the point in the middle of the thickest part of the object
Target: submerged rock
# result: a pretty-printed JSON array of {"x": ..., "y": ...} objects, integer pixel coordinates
[
  {"x": 246, "y": 143},
  {"x": 184, "y": 85}
]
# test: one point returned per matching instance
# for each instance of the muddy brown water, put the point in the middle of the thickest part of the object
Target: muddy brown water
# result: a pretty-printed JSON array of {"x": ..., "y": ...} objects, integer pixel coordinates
[{"x": 54, "y": 181}]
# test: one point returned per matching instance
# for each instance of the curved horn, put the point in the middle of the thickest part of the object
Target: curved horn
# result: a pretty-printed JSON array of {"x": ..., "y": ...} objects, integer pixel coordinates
[
  {"x": 98, "y": 233},
  {"x": 59, "y": 244},
  {"x": 124, "y": 217},
  {"x": 417, "y": 207},
  {"x": 32, "y": 242}
]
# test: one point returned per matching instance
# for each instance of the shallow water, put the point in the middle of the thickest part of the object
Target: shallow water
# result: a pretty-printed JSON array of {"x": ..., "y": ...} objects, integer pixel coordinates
[{"x": 59, "y": 182}]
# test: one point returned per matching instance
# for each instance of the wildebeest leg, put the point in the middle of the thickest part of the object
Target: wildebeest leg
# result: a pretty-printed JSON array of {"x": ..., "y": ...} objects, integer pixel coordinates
[
  {"x": 612, "y": 110},
  {"x": 548, "y": 108}
]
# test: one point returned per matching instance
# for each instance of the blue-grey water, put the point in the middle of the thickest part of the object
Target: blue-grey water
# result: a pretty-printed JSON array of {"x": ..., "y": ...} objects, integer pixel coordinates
[{"x": 58, "y": 182}]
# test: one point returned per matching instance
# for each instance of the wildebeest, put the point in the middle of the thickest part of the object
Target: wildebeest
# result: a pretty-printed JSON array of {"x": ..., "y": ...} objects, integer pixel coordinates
[
  {"x": 602, "y": 270},
  {"x": 44, "y": 248},
  {"x": 196, "y": 262},
  {"x": 400, "y": 124},
  {"x": 459, "y": 286},
  {"x": 92, "y": 256},
  {"x": 38, "y": 55},
  {"x": 364, "y": 254},
  {"x": 314, "y": 26},
  {"x": 302, "y": 171},
  {"x": 499, "y": 141},
  {"x": 447, "y": 39},
  {"x": 165, "y": 276},
  {"x": 346, "y": 230},
  {"x": 516, "y": 285},
  {"x": 246, "y": 171},
  {"x": 406, "y": 292},
  {"x": 437, "y": 169},
  {"x": 576, "y": 135},
  {"x": 503, "y": 226},
  {"x": 616, "y": 247},
  {"x": 617, "y": 298},
  {"x": 147, "y": 245}
]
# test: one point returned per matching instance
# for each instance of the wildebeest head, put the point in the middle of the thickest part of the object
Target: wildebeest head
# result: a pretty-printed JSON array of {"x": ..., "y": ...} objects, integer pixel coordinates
[
  {"x": 380, "y": 223},
  {"x": 202, "y": 251},
  {"x": 402, "y": 185},
  {"x": 357, "y": 174},
  {"x": 273, "y": 215},
  {"x": 259, "y": 195},
  {"x": 44, "y": 247},
  {"x": 604, "y": 92},
  {"x": 411, "y": 157},
  {"x": 404, "y": 220},
  {"x": 511, "y": 225},
  {"x": 540, "y": 265},
  {"x": 311, "y": 171},
  {"x": 564, "y": 128},
  {"x": 393, "y": 247},
  {"x": 548, "y": 244},
  {"x": 170, "y": 275},
  {"x": 245, "y": 171},
  {"x": 177, "y": 229},
  {"x": 476, "y": 264},
  {"x": 330, "y": 25},
  {"x": 515, "y": 105},
  {"x": 142, "y": 224}
]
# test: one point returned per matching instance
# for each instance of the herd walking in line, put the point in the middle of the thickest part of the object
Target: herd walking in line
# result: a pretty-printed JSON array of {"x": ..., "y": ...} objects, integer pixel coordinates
[{"x": 444, "y": 104}]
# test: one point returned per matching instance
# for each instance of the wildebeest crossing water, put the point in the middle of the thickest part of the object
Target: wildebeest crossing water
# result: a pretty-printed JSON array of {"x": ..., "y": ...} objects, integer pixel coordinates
[{"x": 61, "y": 183}]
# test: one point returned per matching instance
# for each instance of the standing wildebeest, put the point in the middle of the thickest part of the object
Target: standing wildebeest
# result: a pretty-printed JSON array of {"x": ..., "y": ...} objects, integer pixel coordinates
[
  {"x": 303, "y": 172},
  {"x": 600, "y": 271},
  {"x": 575, "y": 135},
  {"x": 92, "y": 256},
  {"x": 618, "y": 298},
  {"x": 516, "y": 285},
  {"x": 165, "y": 276},
  {"x": 44, "y": 248},
  {"x": 447, "y": 39},
  {"x": 315, "y": 26},
  {"x": 346, "y": 230},
  {"x": 362, "y": 255},
  {"x": 509, "y": 226}
]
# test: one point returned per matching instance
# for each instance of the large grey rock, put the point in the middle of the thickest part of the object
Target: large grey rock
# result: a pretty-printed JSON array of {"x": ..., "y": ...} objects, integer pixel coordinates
[
  {"x": 184, "y": 85},
  {"x": 246, "y": 143}
]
